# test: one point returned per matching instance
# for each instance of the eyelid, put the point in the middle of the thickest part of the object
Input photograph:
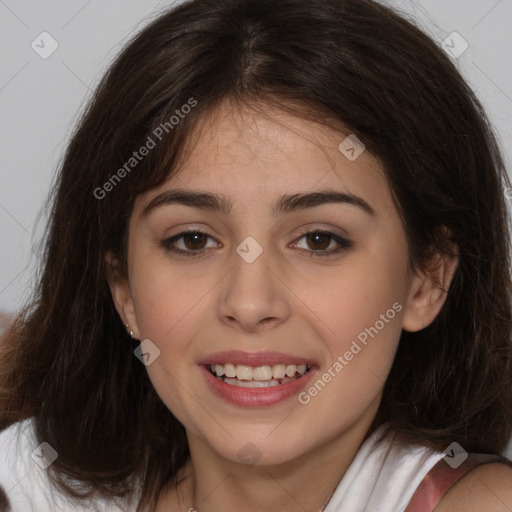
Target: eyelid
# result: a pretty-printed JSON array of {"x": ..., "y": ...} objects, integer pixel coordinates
[{"x": 322, "y": 229}]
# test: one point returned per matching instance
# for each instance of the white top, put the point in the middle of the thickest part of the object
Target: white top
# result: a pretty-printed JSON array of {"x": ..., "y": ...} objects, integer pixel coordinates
[
  {"x": 23, "y": 476},
  {"x": 381, "y": 478}
]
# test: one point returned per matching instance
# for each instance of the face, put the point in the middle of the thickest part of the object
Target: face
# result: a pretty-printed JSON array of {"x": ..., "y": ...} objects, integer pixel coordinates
[{"x": 295, "y": 302}]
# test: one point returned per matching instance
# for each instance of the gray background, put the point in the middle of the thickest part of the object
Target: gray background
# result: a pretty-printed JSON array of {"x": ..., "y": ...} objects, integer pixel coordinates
[{"x": 40, "y": 99}]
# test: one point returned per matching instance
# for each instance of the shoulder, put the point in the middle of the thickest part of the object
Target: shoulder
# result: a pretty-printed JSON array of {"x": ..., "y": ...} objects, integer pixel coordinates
[
  {"x": 24, "y": 463},
  {"x": 21, "y": 479},
  {"x": 14, "y": 444},
  {"x": 487, "y": 487}
]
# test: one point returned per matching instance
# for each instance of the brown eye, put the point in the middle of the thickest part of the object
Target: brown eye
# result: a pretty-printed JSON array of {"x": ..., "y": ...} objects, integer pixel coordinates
[
  {"x": 194, "y": 240},
  {"x": 318, "y": 240}
]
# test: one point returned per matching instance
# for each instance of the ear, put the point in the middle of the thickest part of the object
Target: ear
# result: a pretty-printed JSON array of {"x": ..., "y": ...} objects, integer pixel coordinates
[
  {"x": 428, "y": 291},
  {"x": 121, "y": 294}
]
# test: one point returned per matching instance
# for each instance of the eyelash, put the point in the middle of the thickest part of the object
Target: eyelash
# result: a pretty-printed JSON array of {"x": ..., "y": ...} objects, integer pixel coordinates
[{"x": 343, "y": 244}]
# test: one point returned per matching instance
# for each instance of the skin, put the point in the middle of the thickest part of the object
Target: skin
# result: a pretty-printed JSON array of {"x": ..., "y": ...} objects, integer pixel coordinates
[
  {"x": 487, "y": 487},
  {"x": 286, "y": 301}
]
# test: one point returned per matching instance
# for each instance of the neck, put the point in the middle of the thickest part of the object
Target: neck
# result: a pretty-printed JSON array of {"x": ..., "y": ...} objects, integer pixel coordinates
[{"x": 305, "y": 483}]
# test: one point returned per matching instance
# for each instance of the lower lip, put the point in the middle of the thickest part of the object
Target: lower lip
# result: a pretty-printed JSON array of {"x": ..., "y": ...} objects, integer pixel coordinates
[{"x": 255, "y": 397}]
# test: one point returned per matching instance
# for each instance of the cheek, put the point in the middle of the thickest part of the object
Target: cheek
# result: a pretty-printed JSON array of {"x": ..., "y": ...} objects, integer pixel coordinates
[
  {"x": 361, "y": 334},
  {"x": 167, "y": 308},
  {"x": 361, "y": 330},
  {"x": 166, "y": 297},
  {"x": 357, "y": 311},
  {"x": 352, "y": 298}
]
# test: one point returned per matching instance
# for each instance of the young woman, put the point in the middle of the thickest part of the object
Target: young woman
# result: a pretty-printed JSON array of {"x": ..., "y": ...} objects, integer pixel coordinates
[{"x": 276, "y": 278}]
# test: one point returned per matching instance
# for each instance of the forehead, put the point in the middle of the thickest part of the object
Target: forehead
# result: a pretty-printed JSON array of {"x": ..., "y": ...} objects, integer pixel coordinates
[{"x": 255, "y": 155}]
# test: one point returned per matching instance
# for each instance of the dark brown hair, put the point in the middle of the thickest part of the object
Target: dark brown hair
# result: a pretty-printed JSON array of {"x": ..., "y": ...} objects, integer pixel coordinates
[{"x": 71, "y": 364}]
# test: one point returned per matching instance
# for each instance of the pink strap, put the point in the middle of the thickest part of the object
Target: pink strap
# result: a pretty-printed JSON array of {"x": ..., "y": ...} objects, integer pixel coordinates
[{"x": 441, "y": 477}]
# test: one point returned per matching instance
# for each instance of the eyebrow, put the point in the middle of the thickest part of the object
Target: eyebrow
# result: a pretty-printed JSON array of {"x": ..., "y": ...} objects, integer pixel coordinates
[{"x": 287, "y": 203}]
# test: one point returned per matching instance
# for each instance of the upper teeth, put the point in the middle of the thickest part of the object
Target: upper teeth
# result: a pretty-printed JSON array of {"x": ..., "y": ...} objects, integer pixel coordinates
[{"x": 264, "y": 372}]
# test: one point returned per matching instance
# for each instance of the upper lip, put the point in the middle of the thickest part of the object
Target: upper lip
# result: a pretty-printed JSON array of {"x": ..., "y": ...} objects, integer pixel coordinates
[{"x": 254, "y": 358}]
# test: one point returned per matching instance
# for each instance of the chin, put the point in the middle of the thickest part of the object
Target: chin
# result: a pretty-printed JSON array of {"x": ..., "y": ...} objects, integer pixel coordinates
[{"x": 248, "y": 450}]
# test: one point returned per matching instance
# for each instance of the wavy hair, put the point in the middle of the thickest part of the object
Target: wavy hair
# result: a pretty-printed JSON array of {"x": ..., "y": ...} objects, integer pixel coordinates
[{"x": 69, "y": 363}]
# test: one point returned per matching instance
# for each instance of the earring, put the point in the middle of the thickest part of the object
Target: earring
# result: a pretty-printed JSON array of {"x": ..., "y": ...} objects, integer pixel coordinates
[{"x": 130, "y": 331}]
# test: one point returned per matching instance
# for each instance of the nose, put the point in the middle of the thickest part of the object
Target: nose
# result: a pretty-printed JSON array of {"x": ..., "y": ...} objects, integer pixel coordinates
[{"x": 253, "y": 297}]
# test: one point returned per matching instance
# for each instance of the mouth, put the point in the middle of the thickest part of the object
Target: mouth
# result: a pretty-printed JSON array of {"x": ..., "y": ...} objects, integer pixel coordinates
[
  {"x": 256, "y": 379},
  {"x": 262, "y": 376}
]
